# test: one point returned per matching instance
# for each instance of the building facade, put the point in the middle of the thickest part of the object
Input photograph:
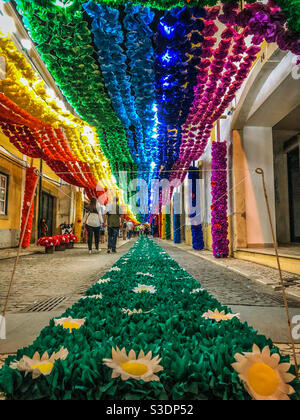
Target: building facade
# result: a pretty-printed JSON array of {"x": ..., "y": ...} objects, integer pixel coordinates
[{"x": 262, "y": 130}]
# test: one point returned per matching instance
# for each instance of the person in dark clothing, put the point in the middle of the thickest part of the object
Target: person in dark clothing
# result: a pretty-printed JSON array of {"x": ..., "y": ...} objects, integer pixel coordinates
[
  {"x": 43, "y": 228},
  {"x": 113, "y": 220}
]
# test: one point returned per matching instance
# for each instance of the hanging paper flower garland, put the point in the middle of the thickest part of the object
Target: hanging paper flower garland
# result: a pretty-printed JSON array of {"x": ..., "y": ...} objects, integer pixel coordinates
[
  {"x": 140, "y": 54},
  {"x": 76, "y": 72},
  {"x": 290, "y": 10},
  {"x": 23, "y": 86},
  {"x": 213, "y": 95},
  {"x": 181, "y": 140},
  {"x": 108, "y": 38},
  {"x": 177, "y": 55},
  {"x": 219, "y": 221},
  {"x": 30, "y": 182}
]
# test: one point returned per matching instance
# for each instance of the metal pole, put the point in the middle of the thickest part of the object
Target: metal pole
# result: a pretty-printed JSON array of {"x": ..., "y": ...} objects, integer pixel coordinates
[{"x": 260, "y": 171}]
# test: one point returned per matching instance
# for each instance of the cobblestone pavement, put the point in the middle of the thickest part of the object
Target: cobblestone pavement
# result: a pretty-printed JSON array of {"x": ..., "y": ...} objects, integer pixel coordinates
[
  {"x": 259, "y": 273},
  {"x": 63, "y": 274},
  {"x": 229, "y": 287}
]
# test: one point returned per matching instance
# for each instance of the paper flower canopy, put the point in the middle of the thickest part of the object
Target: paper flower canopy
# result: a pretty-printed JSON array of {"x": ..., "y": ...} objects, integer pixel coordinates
[
  {"x": 69, "y": 323},
  {"x": 263, "y": 376},
  {"x": 142, "y": 367},
  {"x": 39, "y": 365},
  {"x": 219, "y": 316},
  {"x": 144, "y": 288}
]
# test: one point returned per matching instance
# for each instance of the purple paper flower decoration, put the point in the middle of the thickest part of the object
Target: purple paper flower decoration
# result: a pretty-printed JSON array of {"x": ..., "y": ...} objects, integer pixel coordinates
[{"x": 219, "y": 220}]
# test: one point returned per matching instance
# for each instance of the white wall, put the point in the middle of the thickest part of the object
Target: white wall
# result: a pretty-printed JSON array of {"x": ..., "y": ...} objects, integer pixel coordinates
[{"x": 258, "y": 149}]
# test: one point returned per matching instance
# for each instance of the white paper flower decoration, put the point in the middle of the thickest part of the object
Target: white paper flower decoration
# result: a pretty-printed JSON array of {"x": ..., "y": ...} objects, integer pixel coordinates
[
  {"x": 100, "y": 296},
  {"x": 129, "y": 312},
  {"x": 142, "y": 367},
  {"x": 103, "y": 281},
  {"x": 263, "y": 376},
  {"x": 39, "y": 365},
  {"x": 144, "y": 288},
  {"x": 145, "y": 274},
  {"x": 219, "y": 316},
  {"x": 115, "y": 269},
  {"x": 197, "y": 291}
]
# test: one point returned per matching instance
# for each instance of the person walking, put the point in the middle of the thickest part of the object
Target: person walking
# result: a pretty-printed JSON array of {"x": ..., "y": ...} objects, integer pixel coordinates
[
  {"x": 130, "y": 227},
  {"x": 124, "y": 230},
  {"x": 93, "y": 222},
  {"x": 113, "y": 220}
]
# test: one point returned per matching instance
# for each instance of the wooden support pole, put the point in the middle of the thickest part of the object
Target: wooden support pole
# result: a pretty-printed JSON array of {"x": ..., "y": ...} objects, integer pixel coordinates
[
  {"x": 260, "y": 171},
  {"x": 20, "y": 246}
]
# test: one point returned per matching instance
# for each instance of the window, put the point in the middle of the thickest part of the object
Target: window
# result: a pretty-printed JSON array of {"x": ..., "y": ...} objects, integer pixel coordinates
[{"x": 3, "y": 194}]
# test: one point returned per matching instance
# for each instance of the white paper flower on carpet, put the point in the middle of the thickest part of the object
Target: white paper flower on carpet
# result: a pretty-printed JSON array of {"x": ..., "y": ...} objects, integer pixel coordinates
[
  {"x": 197, "y": 291},
  {"x": 103, "y": 281},
  {"x": 142, "y": 367},
  {"x": 219, "y": 316},
  {"x": 144, "y": 288},
  {"x": 39, "y": 365},
  {"x": 115, "y": 269},
  {"x": 69, "y": 323},
  {"x": 100, "y": 296},
  {"x": 145, "y": 274},
  {"x": 135, "y": 311},
  {"x": 263, "y": 376}
]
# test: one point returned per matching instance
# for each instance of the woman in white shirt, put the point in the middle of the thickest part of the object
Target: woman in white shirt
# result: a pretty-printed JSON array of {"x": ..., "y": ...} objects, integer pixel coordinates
[{"x": 93, "y": 222}]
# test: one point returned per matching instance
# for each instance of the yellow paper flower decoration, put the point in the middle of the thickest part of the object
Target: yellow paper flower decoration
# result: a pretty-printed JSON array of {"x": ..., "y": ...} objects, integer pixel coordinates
[
  {"x": 142, "y": 367},
  {"x": 25, "y": 87},
  {"x": 263, "y": 376},
  {"x": 219, "y": 316},
  {"x": 69, "y": 323},
  {"x": 39, "y": 365},
  {"x": 144, "y": 288}
]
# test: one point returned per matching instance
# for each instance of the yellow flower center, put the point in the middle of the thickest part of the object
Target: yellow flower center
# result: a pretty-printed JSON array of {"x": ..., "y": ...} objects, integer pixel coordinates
[
  {"x": 221, "y": 317},
  {"x": 135, "y": 369},
  {"x": 43, "y": 367},
  {"x": 263, "y": 379},
  {"x": 71, "y": 325},
  {"x": 143, "y": 290}
]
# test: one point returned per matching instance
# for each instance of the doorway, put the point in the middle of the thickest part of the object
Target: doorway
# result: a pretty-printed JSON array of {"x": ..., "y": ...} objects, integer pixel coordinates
[
  {"x": 47, "y": 212},
  {"x": 294, "y": 193}
]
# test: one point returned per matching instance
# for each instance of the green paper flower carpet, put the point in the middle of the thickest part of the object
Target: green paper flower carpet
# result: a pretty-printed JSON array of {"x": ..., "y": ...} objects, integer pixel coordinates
[{"x": 196, "y": 353}]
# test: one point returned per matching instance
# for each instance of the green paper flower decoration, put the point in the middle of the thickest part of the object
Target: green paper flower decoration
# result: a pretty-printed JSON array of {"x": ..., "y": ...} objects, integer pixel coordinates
[{"x": 196, "y": 354}]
